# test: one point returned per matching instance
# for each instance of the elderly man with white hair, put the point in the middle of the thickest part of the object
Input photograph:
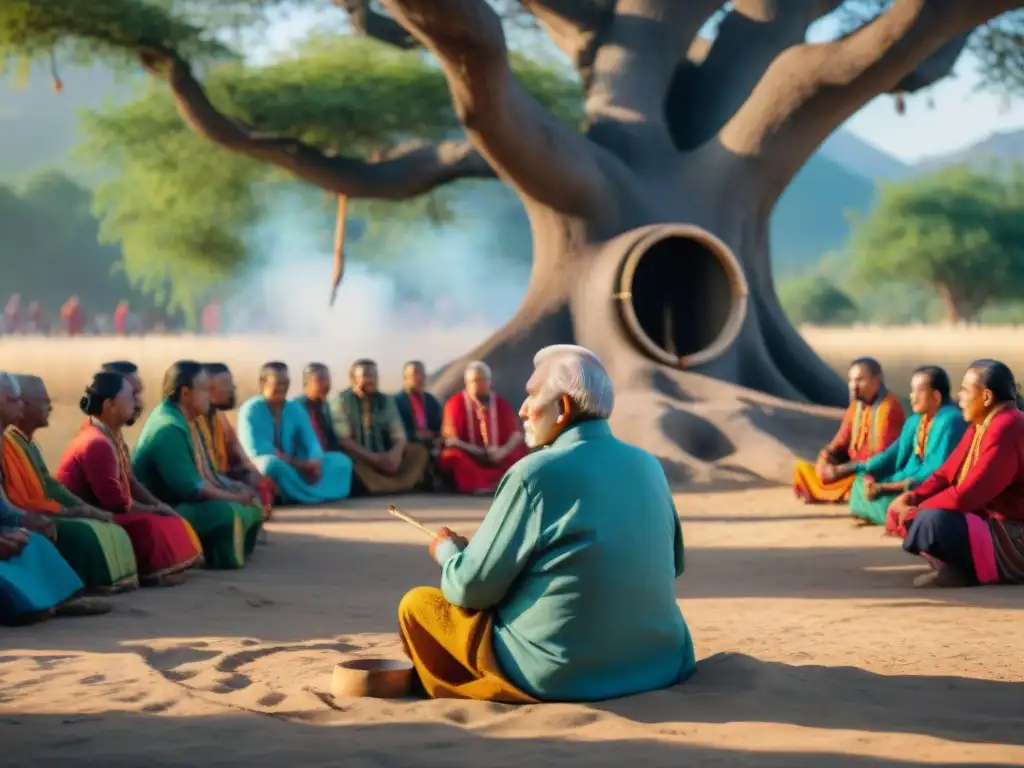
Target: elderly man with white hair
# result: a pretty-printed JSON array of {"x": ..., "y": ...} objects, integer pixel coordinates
[
  {"x": 35, "y": 581},
  {"x": 481, "y": 435},
  {"x": 567, "y": 590}
]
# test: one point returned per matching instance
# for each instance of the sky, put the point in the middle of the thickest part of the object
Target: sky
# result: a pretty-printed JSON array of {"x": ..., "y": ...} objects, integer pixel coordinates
[{"x": 949, "y": 116}]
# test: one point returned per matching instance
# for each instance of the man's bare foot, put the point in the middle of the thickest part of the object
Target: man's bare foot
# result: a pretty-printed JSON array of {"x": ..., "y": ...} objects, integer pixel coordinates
[
  {"x": 860, "y": 522},
  {"x": 83, "y": 606},
  {"x": 944, "y": 577}
]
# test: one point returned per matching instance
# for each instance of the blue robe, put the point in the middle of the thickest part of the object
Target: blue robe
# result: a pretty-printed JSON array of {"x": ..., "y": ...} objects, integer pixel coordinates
[
  {"x": 577, "y": 558},
  {"x": 293, "y": 436},
  {"x": 899, "y": 464},
  {"x": 35, "y": 580}
]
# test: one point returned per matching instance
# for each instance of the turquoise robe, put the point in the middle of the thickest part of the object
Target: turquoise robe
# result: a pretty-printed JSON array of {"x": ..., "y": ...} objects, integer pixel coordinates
[
  {"x": 166, "y": 461},
  {"x": 293, "y": 436},
  {"x": 898, "y": 463},
  {"x": 577, "y": 558},
  {"x": 36, "y": 579}
]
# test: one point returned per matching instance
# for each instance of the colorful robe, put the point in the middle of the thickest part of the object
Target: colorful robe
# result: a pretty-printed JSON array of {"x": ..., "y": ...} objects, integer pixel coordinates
[
  {"x": 96, "y": 467},
  {"x": 35, "y": 581},
  {"x": 373, "y": 423},
  {"x": 567, "y": 591},
  {"x": 981, "y": 485},
  {"x": 319, "y": 413},
  {"x": 169, "y": 461},
  {"x": 418, "y": 411},
  {"x": 866, "y": 430},
  {"x": 479, "y": 425},
  {"x": 226, "y": 457},
  {"x": 263, "y": 437},
  {"x": 100, "y": 553},
  {"x": 924, "y": 444}
]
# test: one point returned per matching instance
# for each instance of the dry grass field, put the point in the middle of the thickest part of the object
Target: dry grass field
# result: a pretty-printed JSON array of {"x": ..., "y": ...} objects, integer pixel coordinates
[
  {"x": 66, "y": 364},
  {"x": 813, "y": 650}
]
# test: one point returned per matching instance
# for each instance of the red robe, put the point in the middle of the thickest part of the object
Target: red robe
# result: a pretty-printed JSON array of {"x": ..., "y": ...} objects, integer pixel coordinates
[
  {"x": 97, "y": 471},
  {"x": 985, "y": 479},
  {"x": 488, "y": 426}
]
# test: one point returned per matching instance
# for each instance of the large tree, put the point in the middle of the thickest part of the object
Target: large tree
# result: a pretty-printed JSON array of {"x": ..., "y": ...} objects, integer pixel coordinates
[
  {"x": 692, "y": 138},
  {"x": 958, "y": 231}
]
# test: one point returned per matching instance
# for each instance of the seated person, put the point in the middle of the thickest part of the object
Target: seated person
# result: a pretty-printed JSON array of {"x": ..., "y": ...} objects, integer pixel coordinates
[
  {"x": 927, "y": 439},
  {"x": 567, "y": 590},
  {"x": 169, "y": 460},
  {"x": 371, "y": 433},
  {"x": 967, "y": 519},
  {"x": 872, "y": 423},
  {"x": 94, "y": 545},
  {"x": 316, "y": 386},
  {"x": 96, "y": 467},
  {"x": 221, "y": 442},
  {"x": 279, "y": 439},
  {"x": 419, "y": 410},
  {"x": 481, "y": 435}
]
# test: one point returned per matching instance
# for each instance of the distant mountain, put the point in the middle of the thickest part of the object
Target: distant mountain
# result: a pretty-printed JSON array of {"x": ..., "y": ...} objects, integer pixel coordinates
[
  {"x": 861, "y": 158},
  {"x": 811, "y": 217},
  {"x": 1008, "y": 145}
]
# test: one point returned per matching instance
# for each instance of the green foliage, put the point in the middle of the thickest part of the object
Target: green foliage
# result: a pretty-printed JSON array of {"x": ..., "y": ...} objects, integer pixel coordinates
[
  {"x": 182, "y": 208},
  {"x": 815, "y": 300},
  {"x": 958, "y": 231},
  {"x": 49, "y": 248},
  {"x": 31, "y": 29}
]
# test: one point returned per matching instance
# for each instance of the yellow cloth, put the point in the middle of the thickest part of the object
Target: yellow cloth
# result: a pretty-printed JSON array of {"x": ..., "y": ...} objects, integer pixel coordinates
[
  {"x": 453, "y": 649},
  {"x": 410, "y": 472},
  {"x": 809, "y": 487}
]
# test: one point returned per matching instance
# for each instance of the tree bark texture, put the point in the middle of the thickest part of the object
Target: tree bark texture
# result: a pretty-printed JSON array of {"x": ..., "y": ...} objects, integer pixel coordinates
[{"x": 680, "y": 131}]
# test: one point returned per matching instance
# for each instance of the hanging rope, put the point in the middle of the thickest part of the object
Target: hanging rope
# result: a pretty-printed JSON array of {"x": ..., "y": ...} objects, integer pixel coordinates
[
  {"x": 58, "y": 84},
  {"x": 339, "y": 246}
]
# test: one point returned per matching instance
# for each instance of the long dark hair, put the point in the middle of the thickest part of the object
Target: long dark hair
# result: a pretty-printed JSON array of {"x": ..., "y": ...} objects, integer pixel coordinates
[
  {"x": 105, "y": 385},
  {"x": 999, "y": 380},
  {"x": 179, "y": 376},
  {"x": 938, "y": 380}
]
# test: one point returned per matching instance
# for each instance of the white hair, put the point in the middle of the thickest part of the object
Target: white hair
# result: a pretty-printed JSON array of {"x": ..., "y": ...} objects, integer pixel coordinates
[
  {"x": 578, "y": 373},
  {"x": 478, "y": 365}
]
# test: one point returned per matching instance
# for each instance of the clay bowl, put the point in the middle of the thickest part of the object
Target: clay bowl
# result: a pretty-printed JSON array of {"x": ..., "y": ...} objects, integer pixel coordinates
[{"x": 375, "y": 678}]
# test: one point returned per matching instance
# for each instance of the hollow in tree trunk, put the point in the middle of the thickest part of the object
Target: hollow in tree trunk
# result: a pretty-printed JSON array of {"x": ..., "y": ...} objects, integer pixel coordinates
[{"x": 651, "y": 227}]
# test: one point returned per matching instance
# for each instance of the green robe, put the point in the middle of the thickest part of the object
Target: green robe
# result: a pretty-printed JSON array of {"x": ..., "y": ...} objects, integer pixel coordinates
[
  {"x": 100, "y": 553},
  {"x": 899, "y": 464},
  {"x": 165, "y": 461}
]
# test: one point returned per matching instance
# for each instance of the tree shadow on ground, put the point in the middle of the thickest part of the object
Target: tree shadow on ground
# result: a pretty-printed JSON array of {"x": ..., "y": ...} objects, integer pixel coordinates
[
  {"x": 129, "y": 740},
  {"x": 738, "y": 688}
]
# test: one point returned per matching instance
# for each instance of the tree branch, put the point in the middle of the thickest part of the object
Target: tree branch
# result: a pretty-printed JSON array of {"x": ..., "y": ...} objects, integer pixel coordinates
[
  {"x": 718, "y": 76},
  {"x": 575, "y": 27},
  {"x": 811, "y": 89},
  {"x": 633, "y": 72},
  {"x": 376, "y": 25},
  {"x": 407, "y": 171},
  {"x": 545, "y": 160}
]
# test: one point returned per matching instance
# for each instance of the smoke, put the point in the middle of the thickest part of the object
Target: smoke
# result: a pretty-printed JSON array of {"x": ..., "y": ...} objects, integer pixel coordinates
[{"x": 411, "y": 289}]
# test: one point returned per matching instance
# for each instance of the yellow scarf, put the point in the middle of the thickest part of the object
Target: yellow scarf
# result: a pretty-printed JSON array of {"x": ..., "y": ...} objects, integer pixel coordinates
[{"x": 972, "y": 454}]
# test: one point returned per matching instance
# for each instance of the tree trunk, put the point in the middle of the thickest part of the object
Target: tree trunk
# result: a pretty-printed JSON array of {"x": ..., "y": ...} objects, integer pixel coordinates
[{"x": 741, "y": 416}]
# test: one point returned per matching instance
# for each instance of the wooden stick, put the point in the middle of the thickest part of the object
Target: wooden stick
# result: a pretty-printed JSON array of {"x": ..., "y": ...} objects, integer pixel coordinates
[
  {"x": 393, "y": 510},
  {"x": 339, "y": 246}
]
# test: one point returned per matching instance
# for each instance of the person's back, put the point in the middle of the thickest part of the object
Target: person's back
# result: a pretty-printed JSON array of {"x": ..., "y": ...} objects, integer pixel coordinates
[{"x": 594, "y": 614}]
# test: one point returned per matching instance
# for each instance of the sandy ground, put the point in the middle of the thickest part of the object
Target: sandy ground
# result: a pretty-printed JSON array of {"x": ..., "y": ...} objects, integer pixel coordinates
[{"x": 813, "y": 652}]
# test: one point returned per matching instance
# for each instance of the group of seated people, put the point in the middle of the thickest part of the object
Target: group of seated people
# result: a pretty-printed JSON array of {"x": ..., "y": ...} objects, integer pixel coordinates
[
  {"x": 196, "y": 491},
  {"x": 949, "y": 480}
]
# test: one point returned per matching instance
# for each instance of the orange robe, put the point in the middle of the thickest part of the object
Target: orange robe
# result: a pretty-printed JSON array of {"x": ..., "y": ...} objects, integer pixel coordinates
[
  {"x": 867, "y": 429},
  {"x": 480, "y": 425}
]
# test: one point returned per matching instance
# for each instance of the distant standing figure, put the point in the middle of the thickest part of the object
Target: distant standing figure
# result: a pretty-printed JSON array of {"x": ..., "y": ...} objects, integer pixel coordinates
[
  {"x": 211, "y": 317},
  {"x": 121, "y": 315},
  {"x": 38, "y": 319},
  {"x": 73, "y": 317},
  {"x": 12, "y": 314}
]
